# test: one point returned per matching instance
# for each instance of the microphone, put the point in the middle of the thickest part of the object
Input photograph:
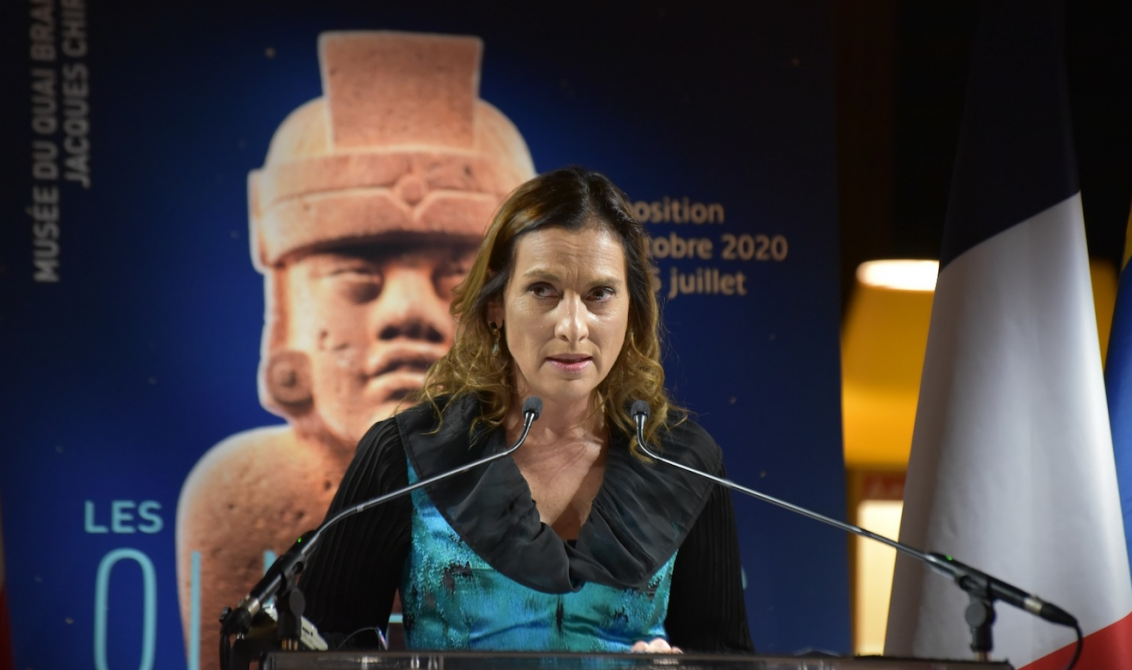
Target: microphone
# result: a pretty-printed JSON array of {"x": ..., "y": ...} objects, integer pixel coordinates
[
  {"x": 284, "y": 571},
  {"x": 969, "y": 579}
]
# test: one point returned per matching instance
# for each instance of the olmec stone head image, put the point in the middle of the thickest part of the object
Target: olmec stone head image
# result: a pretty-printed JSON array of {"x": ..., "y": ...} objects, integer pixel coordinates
[{"x": 369, "y": 207}]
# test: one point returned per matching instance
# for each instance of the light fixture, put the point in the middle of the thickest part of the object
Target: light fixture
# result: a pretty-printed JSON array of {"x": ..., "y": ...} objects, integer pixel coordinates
[{"x": 904, "y": 275}]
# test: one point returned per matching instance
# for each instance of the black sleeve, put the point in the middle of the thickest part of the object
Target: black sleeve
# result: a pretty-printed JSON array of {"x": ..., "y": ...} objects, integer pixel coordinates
[
  {"x": 355, "y": 570},
  {"x": 706, "y": 611}
]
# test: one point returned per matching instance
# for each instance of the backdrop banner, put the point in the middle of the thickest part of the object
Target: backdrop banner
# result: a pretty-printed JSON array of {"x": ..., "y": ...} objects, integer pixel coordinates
[{"x": 230, "y": 236}]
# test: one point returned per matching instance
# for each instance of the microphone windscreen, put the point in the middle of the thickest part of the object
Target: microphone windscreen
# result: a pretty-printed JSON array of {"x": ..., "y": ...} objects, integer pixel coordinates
[
  {"x": 639, "y": 407},
  {"x": 532, "y": 405}
]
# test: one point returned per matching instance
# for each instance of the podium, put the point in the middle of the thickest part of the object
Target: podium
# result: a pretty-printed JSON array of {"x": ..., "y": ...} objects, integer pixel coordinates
[{"x": 441, "y": 660}]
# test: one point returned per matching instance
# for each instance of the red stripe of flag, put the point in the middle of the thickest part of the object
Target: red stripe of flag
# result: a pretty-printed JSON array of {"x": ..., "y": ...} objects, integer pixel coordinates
[{"x": 1109, "y": 647}]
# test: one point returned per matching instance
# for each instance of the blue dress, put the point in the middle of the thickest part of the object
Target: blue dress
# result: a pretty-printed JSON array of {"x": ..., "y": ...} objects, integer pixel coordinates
[
  {"x": 477, "y": 569},
  {"x": 453, "y": 599}
]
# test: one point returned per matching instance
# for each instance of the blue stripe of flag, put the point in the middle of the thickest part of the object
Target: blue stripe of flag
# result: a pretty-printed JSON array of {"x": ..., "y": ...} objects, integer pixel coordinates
[
  {"x": 1118, "y": 386},
  {"x": 1015, "y": 157}
]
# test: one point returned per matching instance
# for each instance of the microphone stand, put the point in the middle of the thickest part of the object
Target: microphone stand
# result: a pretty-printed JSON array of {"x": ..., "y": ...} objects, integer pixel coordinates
[
  {"x": 281, "y": 580},
  {"x": 982, "y": 589}
]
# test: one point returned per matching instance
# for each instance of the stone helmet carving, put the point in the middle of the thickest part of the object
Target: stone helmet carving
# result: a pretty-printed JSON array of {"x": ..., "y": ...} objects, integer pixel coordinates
[{"x": 399, "y": 142}]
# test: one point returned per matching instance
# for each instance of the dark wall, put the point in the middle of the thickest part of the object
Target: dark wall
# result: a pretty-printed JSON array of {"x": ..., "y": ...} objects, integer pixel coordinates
[{"x": 901, "y": 80}]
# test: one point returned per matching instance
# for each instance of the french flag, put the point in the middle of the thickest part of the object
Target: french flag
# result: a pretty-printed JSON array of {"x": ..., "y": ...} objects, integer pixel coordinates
[{"x": 1012, "y": 469}]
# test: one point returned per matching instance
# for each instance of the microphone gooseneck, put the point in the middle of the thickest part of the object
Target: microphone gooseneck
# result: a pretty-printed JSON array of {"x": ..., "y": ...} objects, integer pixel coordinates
[
  {"x": 969, "y": 579},
  {"x": 288, "y": 566}
]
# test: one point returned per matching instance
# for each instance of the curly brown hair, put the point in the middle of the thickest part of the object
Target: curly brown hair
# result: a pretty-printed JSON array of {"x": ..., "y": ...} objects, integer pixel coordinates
[{"x": 574, "y": 199}]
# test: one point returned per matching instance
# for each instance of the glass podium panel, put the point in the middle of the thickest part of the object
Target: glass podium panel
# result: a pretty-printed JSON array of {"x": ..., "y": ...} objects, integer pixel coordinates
[{"x": 425, "y": 660}]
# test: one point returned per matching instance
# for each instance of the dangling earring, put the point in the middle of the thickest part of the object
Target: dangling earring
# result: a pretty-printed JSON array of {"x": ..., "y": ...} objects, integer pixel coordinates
[{"x": 495, "y": 337}]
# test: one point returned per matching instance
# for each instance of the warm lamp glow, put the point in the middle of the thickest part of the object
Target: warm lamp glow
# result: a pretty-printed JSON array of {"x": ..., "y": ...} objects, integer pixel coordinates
[
  {"x": 882, "y": 354},
  {"x": 874, "y": 565},
  {"x": 902, "y": 275}
]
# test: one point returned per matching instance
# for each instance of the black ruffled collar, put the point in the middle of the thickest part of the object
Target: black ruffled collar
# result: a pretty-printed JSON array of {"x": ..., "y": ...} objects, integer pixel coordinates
[{"x": 638, "y": 520}]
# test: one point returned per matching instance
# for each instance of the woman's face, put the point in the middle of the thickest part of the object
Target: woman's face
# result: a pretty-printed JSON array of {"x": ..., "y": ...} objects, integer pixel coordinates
[{"x": 565, "y": 311}]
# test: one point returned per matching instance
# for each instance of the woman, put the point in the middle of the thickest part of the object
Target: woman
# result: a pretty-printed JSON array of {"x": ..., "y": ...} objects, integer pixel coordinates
[{"x": 576, "y": 542}]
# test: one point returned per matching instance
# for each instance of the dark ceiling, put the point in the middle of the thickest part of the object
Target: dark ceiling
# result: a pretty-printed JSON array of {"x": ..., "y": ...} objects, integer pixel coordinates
[{"x": 901, "y": 77}]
